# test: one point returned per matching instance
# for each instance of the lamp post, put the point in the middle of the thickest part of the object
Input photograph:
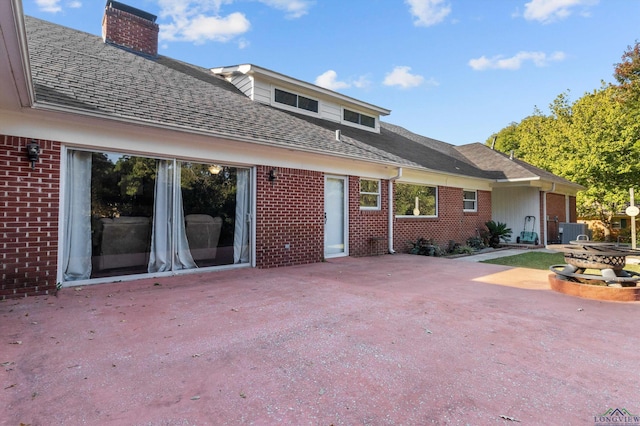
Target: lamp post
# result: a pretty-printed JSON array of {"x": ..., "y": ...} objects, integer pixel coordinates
[{"x": 632, "y": 211}]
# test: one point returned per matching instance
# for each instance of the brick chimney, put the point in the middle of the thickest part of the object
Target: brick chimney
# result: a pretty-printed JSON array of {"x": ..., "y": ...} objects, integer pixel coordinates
[{"x": 130, "y": 28}]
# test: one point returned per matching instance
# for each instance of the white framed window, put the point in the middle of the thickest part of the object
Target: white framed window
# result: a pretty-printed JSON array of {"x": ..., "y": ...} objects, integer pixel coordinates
[
  {"x": 295, "y": 101},
  {"x": 369, "y": 194},
  {"x": 354, "y": 117},
  {"x": 413, "y": 200},
  {"x": 469, "y": 200}
]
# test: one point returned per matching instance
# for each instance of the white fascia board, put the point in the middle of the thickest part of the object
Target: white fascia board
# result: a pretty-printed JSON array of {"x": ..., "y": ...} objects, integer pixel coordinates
[
  {"x": 286, "y": 81},
  {"x": 93, "y": 131},
  {"x": 541, "y": 184},
  {"x": 434, "y": 177},
  {"x": 14, "y": 56},
  {"x": 55, "y": 122},
  {"x": 528, "y": 179}
]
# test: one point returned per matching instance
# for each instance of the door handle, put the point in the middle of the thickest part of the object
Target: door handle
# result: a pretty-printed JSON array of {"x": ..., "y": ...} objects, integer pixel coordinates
[{"x": 325, "y": 218}]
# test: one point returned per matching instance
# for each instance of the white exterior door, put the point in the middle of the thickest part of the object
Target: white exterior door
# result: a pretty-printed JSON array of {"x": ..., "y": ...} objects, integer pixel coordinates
[{"x": 335, "y": 217}]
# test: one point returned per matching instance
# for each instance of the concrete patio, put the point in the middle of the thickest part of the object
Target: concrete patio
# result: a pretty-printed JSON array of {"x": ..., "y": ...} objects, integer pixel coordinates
[{"x": 388, "y": 340}]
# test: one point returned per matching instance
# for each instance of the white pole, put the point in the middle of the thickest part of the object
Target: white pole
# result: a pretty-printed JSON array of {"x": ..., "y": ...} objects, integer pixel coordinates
[{"x": 633, "y": 220}]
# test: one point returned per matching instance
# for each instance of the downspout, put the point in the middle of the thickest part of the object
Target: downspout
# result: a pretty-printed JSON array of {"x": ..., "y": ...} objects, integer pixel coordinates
[{"x": 391, "y": 215}]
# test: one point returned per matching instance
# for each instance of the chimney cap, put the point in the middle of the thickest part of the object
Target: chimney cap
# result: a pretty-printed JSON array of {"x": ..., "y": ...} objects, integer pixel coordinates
[{"x": 132, "y": 10}]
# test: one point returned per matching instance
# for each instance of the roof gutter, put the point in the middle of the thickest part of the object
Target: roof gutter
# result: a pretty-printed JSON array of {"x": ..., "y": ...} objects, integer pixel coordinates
[
  {"x": 518, "y": 179},
  {"x": 19, "y": 63},
  {"x": 391, "y": 215},
  {"x": 45, "y": 106}
]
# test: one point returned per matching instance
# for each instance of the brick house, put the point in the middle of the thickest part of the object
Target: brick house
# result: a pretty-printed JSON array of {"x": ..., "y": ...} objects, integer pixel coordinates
[{"x": 148, "y": 166}]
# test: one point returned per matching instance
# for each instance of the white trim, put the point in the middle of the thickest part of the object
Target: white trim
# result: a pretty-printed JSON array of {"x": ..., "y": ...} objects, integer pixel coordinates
[
  {"x": 475, "y": 201},
  {"x": 61, "y": 223},
  {"x": 375, "y": 128},
  {"x": 545, "y": 231},
  {"x": 421, "y": 216},
  {"x": 147, "y": 125},
  {"x": 13, "y": 45},
  {"x": 519, "y": 179},
  {"x": 132, "y": 277},
  {"x": 390, "y": 214},
  {"x": 295, "y": 109},
  {"x": 254, "y": 204},
  {"x": 345, "y": 218},
  {"x": 378, "y": 194}
]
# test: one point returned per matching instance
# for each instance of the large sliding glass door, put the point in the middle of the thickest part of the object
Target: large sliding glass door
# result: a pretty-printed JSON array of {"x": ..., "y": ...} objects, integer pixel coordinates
[{"x": 128, "y": 215}]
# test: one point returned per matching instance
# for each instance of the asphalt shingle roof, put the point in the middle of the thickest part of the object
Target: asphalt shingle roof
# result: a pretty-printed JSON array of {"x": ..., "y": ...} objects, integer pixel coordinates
[
  {"x": 499, "y": 166},
  {"x": 79, "y": 71}
]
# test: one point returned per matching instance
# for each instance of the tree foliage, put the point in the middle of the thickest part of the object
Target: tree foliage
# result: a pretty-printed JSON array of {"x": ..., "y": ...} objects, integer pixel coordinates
[
  {"x": 627, "y": 71},
  {"x": 593, "y": 141}
]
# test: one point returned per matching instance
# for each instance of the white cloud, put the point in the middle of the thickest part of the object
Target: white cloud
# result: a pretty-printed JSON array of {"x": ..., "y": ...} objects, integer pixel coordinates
[
  {"x": 539, "y": 59},
  {"x": 202, "y": 28},
  {"x": 293, "y": 8},
  {"x": 329, "y": 80},
  {"x": 547, "y": 11},
  {"x": 198, "y": 21},
  {"x": 428, "y": 12},
  {"x": 51, "y": 6},
  {"x": 400, "y": 76},
  {"x": 362, "y": 82},
  {"x": 54, "y": 6}
]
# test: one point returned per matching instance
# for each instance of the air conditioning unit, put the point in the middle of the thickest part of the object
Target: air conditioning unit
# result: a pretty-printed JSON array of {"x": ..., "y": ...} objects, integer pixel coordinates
[{"x": 570, "y": 231}]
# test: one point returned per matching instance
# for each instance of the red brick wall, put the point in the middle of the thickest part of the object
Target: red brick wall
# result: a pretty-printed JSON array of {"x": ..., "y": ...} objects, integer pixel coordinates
[
  {"x": 368, "y": 228},
  {"x": 556, "y": 206},
  {"x": 130, "y": 31},
  {"x": 290, "y": 210},
  {"x": 28, "y": 218},
  {"x": 573, "y": 214},
  {"x": 451, "y": 224}
]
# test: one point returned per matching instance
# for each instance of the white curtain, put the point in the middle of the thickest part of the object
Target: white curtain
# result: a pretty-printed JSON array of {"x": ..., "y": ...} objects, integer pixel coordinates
[
  {"x": 183, "y": 258},
  {"x": 77, "y": 235},
  {"x": 241, "y": 231},
  {"x": 168, "y": 220}
]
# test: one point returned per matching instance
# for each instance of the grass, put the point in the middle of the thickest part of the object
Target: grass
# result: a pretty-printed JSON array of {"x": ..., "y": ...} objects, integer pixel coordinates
[
  {"x": 541, "y": 260},
  {"x": 532, "y": 260}
]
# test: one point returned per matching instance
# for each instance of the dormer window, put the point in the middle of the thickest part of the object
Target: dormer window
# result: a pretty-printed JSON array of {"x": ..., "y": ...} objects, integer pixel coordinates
[
  {"x": 296, "y": 101},
  {"x": 287, "y": 93},
  {"x": 357, "y": 118}
]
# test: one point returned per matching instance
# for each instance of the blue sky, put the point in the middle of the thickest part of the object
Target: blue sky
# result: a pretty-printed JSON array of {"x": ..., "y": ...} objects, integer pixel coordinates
[{"x": 453, "y": 70}]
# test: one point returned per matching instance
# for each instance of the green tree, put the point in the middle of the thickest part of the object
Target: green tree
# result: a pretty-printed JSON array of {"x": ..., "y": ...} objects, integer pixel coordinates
[
  {"x": 506, "y": 140},
  {"x": 627, "y": 72},
  {"x": 603, "y": 153},
  {"x": 593, "y": 141}
]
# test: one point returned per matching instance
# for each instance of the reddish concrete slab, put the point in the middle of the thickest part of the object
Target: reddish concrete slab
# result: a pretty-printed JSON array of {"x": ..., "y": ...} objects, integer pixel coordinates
[{"x": 374, "y": 341}]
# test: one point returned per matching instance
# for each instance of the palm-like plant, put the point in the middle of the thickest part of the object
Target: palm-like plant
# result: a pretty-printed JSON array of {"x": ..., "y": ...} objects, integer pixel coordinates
[{"x": 496, "y": 231}]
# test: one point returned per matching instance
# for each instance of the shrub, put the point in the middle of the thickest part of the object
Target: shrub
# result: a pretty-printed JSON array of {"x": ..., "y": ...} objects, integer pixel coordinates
[
  {"x": 496, "y": 231},
  {"x": 476, "y": 243},
  {"x": 426, "y": 247}
]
